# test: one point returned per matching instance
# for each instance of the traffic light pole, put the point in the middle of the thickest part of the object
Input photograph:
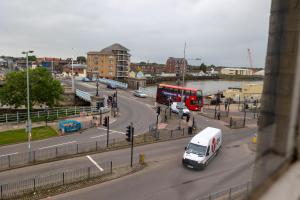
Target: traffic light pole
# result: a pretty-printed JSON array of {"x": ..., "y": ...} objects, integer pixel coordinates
[
  {"x": 132, "y": 136},
  {"x": 107, "y": 137}
]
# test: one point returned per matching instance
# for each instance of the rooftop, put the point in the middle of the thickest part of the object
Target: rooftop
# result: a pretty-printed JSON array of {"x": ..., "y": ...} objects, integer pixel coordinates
[{"x": 109, "y": 50}]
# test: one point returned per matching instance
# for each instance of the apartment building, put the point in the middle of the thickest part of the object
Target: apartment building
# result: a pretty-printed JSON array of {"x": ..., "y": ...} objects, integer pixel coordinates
[
  {"x": 111, "y": 62},
  {"x": 176, "y": 65}
]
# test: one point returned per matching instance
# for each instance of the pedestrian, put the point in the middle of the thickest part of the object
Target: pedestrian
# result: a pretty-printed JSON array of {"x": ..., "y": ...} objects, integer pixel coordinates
[
  {"x": 219, "y": 115},
  {"x": 226, "y": 104}
]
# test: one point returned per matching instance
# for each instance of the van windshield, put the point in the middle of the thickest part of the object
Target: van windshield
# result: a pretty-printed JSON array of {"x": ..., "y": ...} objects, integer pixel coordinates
[{"x": 196, "y": 149}]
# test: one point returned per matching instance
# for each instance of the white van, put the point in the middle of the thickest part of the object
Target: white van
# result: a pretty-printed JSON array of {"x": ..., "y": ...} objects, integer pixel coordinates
[{"x": 202, "y": 148}]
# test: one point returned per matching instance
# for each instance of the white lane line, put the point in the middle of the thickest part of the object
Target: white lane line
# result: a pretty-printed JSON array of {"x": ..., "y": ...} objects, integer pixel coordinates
[
  {"x": 98, "y": 136},
  {"x": 57, "y": 145},
  {"x": 9, "y": 154},
  {"x": 112, "y": 131},
  {"x": 94, "y": 162}
]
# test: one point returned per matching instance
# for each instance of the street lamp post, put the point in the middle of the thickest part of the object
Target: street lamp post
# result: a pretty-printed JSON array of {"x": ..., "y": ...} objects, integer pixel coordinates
[
  {"x": 28, "y": 103},
  {"x": 73, "y": 84}
]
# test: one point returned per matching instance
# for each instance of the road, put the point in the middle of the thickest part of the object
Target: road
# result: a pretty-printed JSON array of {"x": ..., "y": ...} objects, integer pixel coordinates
[
  {"x": 131, "y": 110},
  {"x": 165, "y": 155},
  {"x": 166, "y": 178}
]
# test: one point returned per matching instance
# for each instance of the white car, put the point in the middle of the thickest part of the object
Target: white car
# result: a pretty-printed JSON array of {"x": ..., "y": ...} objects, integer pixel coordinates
[
  {"x": 175, "y": 106},
  {"x": 139, "y": 93}
]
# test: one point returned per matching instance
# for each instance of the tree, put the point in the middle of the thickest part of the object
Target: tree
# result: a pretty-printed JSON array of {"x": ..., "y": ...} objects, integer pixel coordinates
[
  {"x": 203, "y": 67},
  {"x": 43, "y": 88},
  {"x": 81, "y": 59},
  {"x": 31, "y": 58}
]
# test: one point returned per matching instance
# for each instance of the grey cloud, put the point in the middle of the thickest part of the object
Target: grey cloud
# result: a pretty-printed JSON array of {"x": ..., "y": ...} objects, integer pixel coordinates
[{"x": 217, "y": 31}]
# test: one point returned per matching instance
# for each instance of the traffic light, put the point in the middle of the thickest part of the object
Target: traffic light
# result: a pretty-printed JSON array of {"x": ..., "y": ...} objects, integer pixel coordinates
[
  {"x": 158, "y": 110},
  {"x": 128, "y": 133},
  {"x": 187, "y": 118},
  {"x": 106, "y": 121}
]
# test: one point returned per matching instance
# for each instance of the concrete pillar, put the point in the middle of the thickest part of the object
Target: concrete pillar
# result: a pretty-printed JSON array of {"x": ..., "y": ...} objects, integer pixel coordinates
[{"x": 275, "y": 132}]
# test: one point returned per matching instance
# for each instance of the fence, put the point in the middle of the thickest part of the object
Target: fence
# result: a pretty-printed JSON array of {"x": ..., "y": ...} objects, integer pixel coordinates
[
  {"x": 51, "y": 114},
  {"x": 46, "y": 154},
  {"x": 35, "y": 184},
  {"x": 234, "y": 193},
  {"x": 53, "y": 153}
]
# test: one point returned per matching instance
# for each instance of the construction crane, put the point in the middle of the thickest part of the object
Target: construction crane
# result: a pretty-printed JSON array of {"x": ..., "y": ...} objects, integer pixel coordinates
[{"x": 250, "y": 58}]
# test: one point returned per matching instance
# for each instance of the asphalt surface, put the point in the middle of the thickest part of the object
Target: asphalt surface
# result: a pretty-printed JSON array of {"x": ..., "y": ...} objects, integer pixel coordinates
[
  {"x": 153, "y": 152},
  {"x": 166, "y": 178},
  {"x": 131, "y": 110}
]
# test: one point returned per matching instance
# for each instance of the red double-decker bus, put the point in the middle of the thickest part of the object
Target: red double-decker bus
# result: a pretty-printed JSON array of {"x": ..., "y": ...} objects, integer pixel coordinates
[{"x": 167, "y": 94}]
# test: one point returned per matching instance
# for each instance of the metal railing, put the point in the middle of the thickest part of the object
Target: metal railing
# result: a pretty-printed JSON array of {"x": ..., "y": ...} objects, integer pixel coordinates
[
  {"x": 238, "y": 192},
  {"x": 52, "y": 180},
  {"x": 51, "y": 114},
  {"x": 113, "y": 82},
  {"x": 83, "y": 95},
  {"x": 48, "y": 154}
]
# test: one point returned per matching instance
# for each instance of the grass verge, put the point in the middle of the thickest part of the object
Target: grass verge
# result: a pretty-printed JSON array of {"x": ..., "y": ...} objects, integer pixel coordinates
[{"x": 20, "y": 135}]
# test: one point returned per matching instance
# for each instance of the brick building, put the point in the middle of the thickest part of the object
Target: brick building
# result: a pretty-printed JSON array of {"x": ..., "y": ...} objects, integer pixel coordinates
[
  {"x": 176, "y": 65},
  {"x": 111, "y": 62},
  {"x": 78, "y": 69},
  {"x": 148, "y": 68}
]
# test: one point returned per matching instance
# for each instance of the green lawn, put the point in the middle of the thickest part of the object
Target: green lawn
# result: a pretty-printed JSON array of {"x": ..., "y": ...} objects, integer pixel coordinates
[{"x": 16, "y": 136}]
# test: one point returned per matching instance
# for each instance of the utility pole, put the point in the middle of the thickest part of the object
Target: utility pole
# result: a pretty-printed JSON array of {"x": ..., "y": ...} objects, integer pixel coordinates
[
  {"x": 73, "y": 84},
  {"x": 183, "y": 74}
]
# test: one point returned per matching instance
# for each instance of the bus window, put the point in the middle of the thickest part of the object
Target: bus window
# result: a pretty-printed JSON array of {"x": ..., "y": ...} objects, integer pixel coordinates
[{"x": 193, "y": 102}]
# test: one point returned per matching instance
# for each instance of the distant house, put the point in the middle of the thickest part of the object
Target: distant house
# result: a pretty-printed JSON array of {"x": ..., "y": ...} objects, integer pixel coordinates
[
  {"x": 260, "y": 73},
  {"x": 147, "y": 68},
  {"x": 236, "y": 71}
]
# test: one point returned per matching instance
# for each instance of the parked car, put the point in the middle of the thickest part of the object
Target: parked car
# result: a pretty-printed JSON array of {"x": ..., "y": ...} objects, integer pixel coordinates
[
  {"x": 111, "y": 86},
  {"x": 139, "y": 93},
  {"x": 175, "y": 106}
]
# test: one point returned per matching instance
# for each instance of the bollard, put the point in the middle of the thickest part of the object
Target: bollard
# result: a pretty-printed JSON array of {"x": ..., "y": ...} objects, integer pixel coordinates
[
  {"x": 111, "y": 167},
  {"x": 142, "y": 159}
]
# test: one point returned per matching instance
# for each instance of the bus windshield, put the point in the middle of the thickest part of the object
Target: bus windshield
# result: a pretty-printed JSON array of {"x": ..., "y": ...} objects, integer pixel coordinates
[{"x": 199, "y": 97}]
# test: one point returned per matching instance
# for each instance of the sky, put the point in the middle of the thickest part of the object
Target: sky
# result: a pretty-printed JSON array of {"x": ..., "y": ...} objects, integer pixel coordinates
[{"x": 218, "y": 32}]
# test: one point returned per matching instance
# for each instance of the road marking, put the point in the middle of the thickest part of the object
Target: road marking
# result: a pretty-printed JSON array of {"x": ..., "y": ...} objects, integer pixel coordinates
[
  {"x": 94, "y": 162},
  {"x": 98, "y": 136},
  {"x": 57, "y": 145},
  {"x": 113, "y": 131},
  {"x": 9, "y": 154}
]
